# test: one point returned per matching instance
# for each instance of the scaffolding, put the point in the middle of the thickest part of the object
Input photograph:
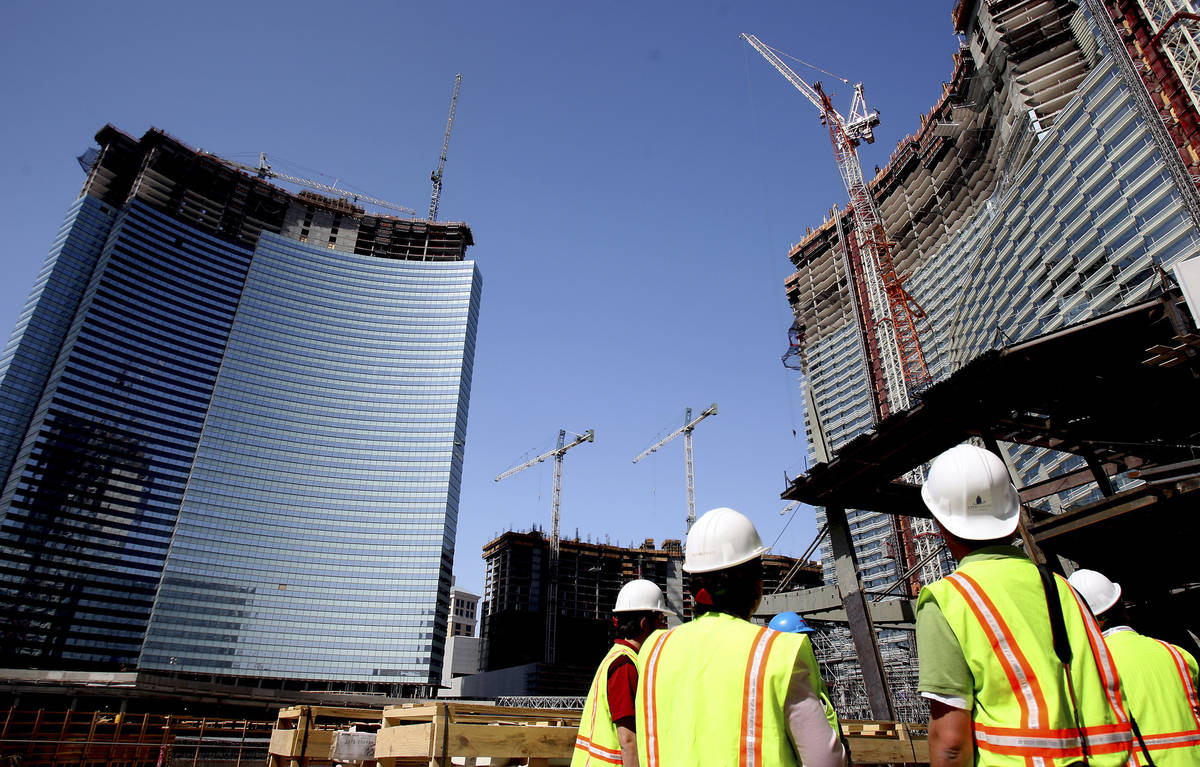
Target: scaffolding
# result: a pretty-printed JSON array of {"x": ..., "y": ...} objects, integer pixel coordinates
[{"x": 843, "y": 678}]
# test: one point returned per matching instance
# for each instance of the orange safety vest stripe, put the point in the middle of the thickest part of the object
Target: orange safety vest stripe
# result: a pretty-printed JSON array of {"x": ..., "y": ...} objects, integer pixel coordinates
[
  {"x": 1104, "y": 660},
  {"x": 649, "y": 691},
  {"x": 1185, "y": 677},
  {"x": 752, "y": 693},
  {"x": 1062, "y": 732},
  {"x": 1065, "y": 747},
  {"x": 584, "y": 742},
  {"x": 1016, "y": 667},
  {"x": 1057, "y": 742},
  {"x": 595, "y": 750},
  {"x": 1173, "y": 739}
]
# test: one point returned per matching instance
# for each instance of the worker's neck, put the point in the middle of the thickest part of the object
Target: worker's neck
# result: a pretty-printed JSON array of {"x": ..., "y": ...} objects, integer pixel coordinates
[{"x": 636, "y": 642}]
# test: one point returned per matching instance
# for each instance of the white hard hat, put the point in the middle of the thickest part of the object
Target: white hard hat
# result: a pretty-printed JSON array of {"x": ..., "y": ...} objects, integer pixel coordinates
[
  {"x": 969, "y": 492},
  {"x": 721, "y": 538},
  {"x": 1098, "y": 591},
  {"x": 638, "y": 596}
]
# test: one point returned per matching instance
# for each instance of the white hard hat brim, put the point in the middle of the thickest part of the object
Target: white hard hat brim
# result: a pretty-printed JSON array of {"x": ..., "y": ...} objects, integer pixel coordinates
[
  {"x": 1116, "y": 597},
  {"x": 662, "y": 610}
]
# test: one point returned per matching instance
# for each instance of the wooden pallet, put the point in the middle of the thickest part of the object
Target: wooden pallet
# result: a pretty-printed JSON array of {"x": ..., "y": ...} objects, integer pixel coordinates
[
  {"x": 433, "y": 734},
  {"x": 886, "y": 742},
  {"x": 304, "y": 735}
]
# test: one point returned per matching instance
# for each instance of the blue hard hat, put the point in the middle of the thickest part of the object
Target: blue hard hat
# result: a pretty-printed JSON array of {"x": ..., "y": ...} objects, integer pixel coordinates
[{"x": 790, "y": 622}]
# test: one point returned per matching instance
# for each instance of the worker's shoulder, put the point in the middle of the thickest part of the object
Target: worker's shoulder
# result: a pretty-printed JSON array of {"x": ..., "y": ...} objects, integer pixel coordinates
[{"x": 1132, "y": 639}]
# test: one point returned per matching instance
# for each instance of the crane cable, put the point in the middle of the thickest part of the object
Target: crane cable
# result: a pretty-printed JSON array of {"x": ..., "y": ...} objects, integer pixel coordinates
[{"x": 805, "y": 63}]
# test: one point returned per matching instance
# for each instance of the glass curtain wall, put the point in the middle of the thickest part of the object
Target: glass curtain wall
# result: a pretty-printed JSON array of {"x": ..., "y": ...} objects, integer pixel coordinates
[{"x": 316, "y": 534}]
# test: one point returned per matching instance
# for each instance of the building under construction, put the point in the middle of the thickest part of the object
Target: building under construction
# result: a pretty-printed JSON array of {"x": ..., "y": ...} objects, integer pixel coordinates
[
  {"x": 590, "y": 575},
  {"x": 1053, "y": 181}
]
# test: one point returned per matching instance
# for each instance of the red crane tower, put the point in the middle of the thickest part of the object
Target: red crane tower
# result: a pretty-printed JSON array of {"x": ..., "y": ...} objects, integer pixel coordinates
[{"x": 890, "y": 314}]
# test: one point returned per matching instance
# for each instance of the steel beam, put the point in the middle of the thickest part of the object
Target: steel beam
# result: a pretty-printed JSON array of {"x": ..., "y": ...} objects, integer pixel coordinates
[{"x": 858, "y": 614}]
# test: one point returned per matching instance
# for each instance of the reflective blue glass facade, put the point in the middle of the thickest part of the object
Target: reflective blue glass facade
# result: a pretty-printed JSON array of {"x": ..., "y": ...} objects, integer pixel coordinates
[
  {"x": 1079, "y": 232},
  {"x": 233, "y": 453},
  {"x": 316, "y": 533},
  {"x": 91, "y": 502}
]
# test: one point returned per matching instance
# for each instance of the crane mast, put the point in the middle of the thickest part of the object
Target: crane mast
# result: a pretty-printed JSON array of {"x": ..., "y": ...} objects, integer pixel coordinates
[
  {"x": 436, "y": 176},
  {"x": 891, "y": 314},
  {"x": 555, "y": 505},
  {"x": 686, "y": 430}
]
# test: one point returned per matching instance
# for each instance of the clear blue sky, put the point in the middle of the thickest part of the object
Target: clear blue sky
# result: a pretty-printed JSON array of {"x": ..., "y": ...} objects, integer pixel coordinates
[{"x": 634, "y": 175}]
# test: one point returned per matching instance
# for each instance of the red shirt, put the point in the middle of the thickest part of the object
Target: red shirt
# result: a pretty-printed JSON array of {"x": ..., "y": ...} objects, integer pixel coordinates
[{"x": 622, "y": 686}]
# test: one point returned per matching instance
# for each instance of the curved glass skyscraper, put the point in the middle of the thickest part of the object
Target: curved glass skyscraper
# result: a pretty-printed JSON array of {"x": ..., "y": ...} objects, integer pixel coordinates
[{"x": 232, "y": 423}]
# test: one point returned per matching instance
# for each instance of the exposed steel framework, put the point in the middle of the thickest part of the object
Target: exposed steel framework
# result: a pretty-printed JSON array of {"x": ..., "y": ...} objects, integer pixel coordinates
[
  {"x": 890, "y": 313},
  {"x": 555, "y": 513}
]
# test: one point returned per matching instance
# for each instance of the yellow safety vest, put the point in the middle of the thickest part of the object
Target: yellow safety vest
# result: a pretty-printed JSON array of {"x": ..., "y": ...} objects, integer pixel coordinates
[
  {"x": 1159, "y": 682},
  {"x": 1023, "y": 712},
  {"x": 597, "y": 740},
  {"x": 712, "y": 691}
]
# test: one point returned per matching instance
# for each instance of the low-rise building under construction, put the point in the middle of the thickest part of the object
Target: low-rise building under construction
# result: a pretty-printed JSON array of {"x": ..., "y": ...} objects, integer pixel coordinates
[{"x": 590, "y": 575}]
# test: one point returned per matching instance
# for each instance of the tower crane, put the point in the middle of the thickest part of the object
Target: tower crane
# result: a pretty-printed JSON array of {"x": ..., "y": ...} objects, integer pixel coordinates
[
  {"x": 891, "y": 313},
  {"x": 555, "y": 502},
  {"x": 436, "y": 176},
  {"x": 264, "y": 171},
  {"x": 686, "y": 430}
]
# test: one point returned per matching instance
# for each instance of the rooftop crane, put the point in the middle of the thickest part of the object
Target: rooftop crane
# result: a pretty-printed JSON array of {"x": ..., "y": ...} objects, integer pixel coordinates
[
  {"x": 436, "y": 176},
  {"x": 891, "y": 313},
  {"x": 686, "y": 430},
  {"x": 555, "y": 502},
  {"x": 264, "y": 171}
]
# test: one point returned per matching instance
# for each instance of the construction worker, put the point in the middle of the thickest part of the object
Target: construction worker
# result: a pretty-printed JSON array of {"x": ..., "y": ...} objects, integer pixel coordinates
[
  {"x": 720, "y": 690},
  {"x": 794, "y": 623},
  {"x": 606, "y": 729},
  {"x": 1160, "y": 679},
  {"x": 1012, "y": 662}
]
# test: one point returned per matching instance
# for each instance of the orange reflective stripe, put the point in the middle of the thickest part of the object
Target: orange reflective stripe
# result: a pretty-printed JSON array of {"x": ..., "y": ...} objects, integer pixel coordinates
[
  {"x": 760, "y": 687},
  {"x": 1020, "y": 741},
  {"x": 650, "y": 700},
  {"x": 1185, "y": 677},
  {"x": 1035, "y": 749},
  {"x": 582, "y": 742},
  {"x": 1016, "y": 666},
  {"x": 752, "y": 698},
  {"x": 1104, "y": 661},
  {"x": 1100, "y": 730},
  {"x": 1173, "y": 739},
  {"x": 592, "y": 695},
  {"x": 1058, "y": 742},
  {"x": 596, "y": 751}
]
